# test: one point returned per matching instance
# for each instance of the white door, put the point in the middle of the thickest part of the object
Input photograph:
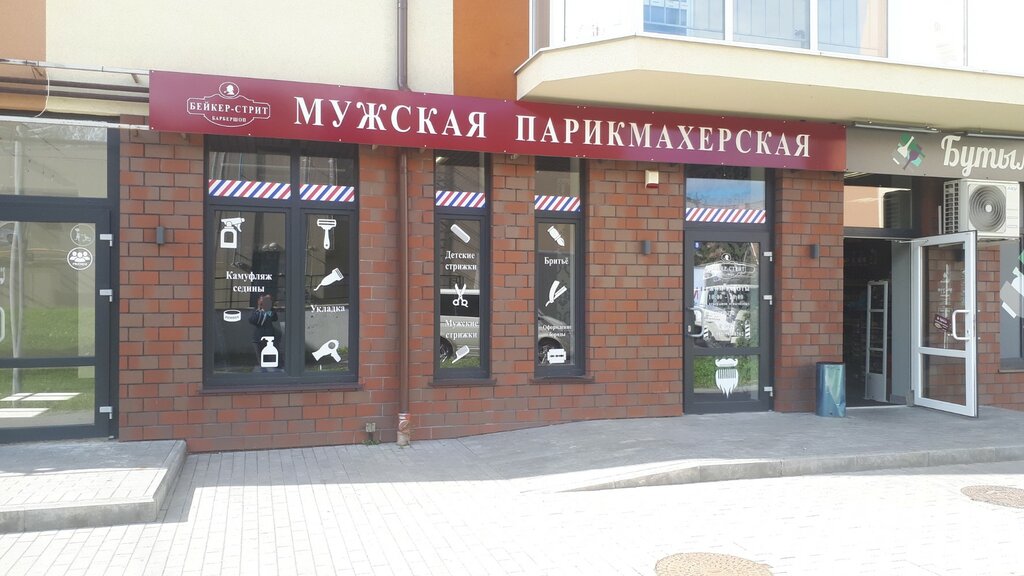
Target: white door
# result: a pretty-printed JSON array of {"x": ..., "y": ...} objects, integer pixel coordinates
[{"x": 944, "y": 342}]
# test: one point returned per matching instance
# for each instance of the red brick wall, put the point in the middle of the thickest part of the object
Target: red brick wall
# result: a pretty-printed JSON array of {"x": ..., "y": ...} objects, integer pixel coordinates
[
  {"x": 161, "y": 291},
  {"x": 808, "y": 292},
  {"x": 633, "y": 307},
  {"x": 995, "y": 387}
]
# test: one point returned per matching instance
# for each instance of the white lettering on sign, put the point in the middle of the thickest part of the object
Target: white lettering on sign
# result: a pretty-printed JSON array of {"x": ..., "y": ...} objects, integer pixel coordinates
[
  {"x": 636, "y": 135},
  {"x": 460, "y": 255},
  {"x": 967, "y": 158},
  {"x": 401, "y": 118},
  {"x": 556, "y": 261}
]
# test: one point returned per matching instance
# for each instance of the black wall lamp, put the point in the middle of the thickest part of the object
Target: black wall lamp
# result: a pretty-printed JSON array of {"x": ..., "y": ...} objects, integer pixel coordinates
[
  {"x": 161, "y": 233},
  {"x": 814, "y": 251},
  {"x": 645, "y": 247}
]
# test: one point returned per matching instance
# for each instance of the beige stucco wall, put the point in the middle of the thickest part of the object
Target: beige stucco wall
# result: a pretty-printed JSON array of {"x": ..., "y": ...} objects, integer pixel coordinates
[{"x": 349, "y": 42}]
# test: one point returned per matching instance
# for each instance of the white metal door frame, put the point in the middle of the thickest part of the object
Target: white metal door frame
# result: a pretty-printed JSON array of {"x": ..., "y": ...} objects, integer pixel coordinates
[{"x": 962, "y": 325}]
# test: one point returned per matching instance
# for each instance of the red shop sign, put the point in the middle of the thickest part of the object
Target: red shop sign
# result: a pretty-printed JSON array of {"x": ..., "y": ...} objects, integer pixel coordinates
[{"x": 199, "y": 103}]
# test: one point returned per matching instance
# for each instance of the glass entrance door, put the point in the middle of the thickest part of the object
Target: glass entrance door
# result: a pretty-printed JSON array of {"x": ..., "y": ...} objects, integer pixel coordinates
[
  {"x": 944, "y": 366},
  {"x": 55, "y": 328},
  {"x": 726, "y": 348}
]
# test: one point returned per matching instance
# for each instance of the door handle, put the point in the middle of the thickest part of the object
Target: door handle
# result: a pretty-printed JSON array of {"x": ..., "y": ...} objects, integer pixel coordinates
[
  {"x": 3, "y": 324},
  {"x": 954, "y": 334}
]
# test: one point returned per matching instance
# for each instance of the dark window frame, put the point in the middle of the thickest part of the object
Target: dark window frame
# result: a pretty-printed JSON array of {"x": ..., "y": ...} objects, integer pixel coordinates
[
  {"x": 295, "y": 210},
  {"x": 542, "y": 219},
  {"x": 474, "y": 374}
]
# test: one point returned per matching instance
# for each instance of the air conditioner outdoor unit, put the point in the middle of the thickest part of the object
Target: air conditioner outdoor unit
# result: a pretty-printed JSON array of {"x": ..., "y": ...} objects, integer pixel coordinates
[{"x": 990, "y": 207}]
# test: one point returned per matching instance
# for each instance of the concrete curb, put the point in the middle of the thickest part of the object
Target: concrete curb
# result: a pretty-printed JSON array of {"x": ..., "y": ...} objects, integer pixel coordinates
[
  {"x": 109, "y": 512},
  {"x": 689, "y": 473}
]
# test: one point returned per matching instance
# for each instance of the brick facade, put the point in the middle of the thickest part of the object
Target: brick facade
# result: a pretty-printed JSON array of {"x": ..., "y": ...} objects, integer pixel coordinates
[{"x": 808, "y": 291}]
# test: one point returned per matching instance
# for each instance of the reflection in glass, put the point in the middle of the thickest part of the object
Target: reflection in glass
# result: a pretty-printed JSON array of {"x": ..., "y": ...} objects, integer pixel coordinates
[
  {"x": 557, "y": 297},
  {"x": 249, "y": 291},
  {"x": 726, "y": 293},
  {"x": 53, "y": 160},
  {"x": 459, "y": 293},
  {"x": 944, "y": 285},
  {"x": 853, "y": 26},
  {"x": 48, "y": 306},
  {"x": 34, "y": 397},
  {"x": 774, "y": 22},
  {"x": 327, "y": 285},
  {"x": 725, "y": 194},
  {"x": 694, "y": 18},
  {"x": 734, "y": 377}
]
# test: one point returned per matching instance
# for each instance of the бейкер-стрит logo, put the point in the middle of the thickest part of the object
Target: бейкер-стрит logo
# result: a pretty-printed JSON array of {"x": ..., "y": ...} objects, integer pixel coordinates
[{"x": 228, "y": 108}]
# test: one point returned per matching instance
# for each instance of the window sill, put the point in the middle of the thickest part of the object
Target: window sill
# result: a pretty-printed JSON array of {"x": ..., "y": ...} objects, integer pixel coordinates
[
  {"x": 563, "y": 378},
  {"x": 221, "y": 389},
  {"x": 458, "y": 382}
]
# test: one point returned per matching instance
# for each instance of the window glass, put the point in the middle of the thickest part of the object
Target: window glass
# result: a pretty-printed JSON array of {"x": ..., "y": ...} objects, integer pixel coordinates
[
  {"x": 773, "y": 22},
  {"x": 327, "y": 289},
  {"x": 694, "y": 18},
  {"x": 559, "y": 279},
  {"x": 283, "y": 267},
  {"x": 853, "y": 26},
  {"x": 53, "y": 160},
  {"x": 249, "y": 289},
  {"x": 725, "y": 194},
  {"x": 461, "y": 244}
]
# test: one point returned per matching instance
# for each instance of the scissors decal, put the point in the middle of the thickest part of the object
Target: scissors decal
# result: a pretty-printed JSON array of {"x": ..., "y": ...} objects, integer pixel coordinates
[{"x": 460, "y": 299}]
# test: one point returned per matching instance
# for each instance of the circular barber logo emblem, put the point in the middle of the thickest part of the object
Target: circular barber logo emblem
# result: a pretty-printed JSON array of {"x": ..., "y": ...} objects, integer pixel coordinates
[
  {"x": 80, "y": 259},
  {"x": 229, "y": 90}
]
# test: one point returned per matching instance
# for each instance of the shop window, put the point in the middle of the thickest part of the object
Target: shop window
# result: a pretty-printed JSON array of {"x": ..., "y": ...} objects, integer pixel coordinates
[
  {"x": 559, "y": 301},
  {"x": 725, "y": 195},
  {"x": 1011, "y": 297},
  {"x": 281, "y": 266},
  {"x": 462, "y": 247}
]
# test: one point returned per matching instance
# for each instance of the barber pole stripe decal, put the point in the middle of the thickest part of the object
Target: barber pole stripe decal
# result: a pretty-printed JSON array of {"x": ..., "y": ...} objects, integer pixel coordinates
[
  {"x": 327, "y": 193},
  {"x": 725, "y": 215},
  {"x": 250, "y": 189},
  {"x": 556, "y": 203},
  {"x": 459, "y": 199}
]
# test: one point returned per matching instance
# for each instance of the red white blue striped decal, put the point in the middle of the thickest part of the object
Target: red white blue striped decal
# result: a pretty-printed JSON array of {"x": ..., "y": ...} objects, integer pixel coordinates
[
  {"x": 556, "y": 203},
  {"x": 459, "y": 199},
  {"x": 327, "y": 193},
  {"x": 249, "y": 189},
  {"x": 726, "y": 215}
]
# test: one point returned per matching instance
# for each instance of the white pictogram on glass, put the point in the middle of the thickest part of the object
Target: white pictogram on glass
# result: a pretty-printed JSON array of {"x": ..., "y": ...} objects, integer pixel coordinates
[
  {"x": 334, "y": 276},
  {"x": 269, "y": 356},
  {"x": 229, "y": 234},
  {"x": 80, "y": 259},
  {"x": 556, "y": 356},
  {"x": 327, "y": 224},
  {"x": 83, "y": 234},
  {"x": 726, "y": 376},
  {"x": 556, "y": 236},
  {"x": 462, "y": 234},
  {"x": 460, "y": 300},
  {"x": 555, "y": 291},
  {"x": 329, "y": 347},
  {"x": 460, "y": 353}
]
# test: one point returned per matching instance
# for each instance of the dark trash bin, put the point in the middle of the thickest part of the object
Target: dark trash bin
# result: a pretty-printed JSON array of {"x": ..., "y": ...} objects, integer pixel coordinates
[{"x": 831, "y": 389}]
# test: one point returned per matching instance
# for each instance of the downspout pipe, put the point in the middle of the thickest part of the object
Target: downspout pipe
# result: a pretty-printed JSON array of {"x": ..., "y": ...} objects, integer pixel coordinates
[{"x": 404, "y": 424}]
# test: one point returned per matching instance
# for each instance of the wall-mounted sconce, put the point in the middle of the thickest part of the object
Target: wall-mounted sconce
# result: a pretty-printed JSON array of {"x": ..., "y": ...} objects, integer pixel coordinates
[
  {"x": 651, "y": 178},
  {"x": 160, "y": 235},
  {"x": 814, "y": 251},
  {"x": 645, "y": 247}
]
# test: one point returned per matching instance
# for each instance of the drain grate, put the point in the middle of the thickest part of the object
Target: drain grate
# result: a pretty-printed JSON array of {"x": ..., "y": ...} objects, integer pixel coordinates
[
  {"x": 998, "y": 495},
  {"x": 708, "y": 564}
]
